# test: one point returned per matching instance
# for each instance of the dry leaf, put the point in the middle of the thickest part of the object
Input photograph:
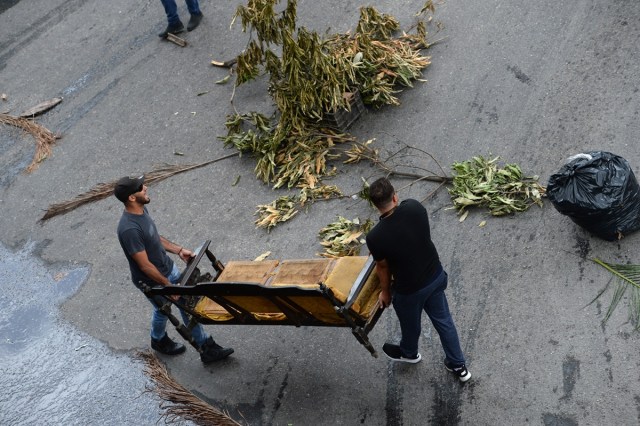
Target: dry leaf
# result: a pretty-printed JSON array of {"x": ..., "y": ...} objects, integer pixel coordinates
[
  {"x": 483, "y": 223},
  {"x": 40, "y": 108},
  {"x": 464, "y": 216},
  {"x": 262, "y": 257},
  {"x": 225, "y": 64}
]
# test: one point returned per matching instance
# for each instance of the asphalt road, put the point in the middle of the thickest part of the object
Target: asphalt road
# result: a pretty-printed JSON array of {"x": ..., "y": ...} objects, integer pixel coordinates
[{"x": 533, "y": 82}]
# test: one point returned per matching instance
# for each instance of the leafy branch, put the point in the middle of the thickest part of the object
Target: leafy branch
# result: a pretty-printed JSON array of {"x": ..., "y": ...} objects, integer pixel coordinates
[
  {"x": 343, "y": 237},
  {"x": 310, "y": 78},
  {"x": 286, "y": 207},
  {"x": 502, "y": 189}
]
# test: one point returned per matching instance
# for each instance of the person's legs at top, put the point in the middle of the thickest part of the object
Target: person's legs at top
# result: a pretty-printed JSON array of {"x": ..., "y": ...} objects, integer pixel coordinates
[
  {"x": 196, "y": 14},
  {"x": 171, "y": 9},
  {"x": 174, "y": 24},
  {"x": 194, "y": 7}
]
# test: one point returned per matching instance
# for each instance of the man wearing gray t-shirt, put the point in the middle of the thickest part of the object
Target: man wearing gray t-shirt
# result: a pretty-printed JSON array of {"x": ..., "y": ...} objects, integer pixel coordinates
[{"x": 146, "y": 251}]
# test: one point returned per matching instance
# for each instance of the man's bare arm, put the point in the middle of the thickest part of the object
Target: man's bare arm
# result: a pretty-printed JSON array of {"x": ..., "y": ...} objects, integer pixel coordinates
[
  {"x": 149, "y": 268},
  {"x": 384, "y": 276},
  {"x": 171, "y": 247}
]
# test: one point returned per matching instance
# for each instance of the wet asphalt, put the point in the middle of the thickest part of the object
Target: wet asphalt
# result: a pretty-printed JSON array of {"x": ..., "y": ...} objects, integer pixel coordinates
[
  {"x": 533, "y": 82},
  {"x": 52, "y": 373}
]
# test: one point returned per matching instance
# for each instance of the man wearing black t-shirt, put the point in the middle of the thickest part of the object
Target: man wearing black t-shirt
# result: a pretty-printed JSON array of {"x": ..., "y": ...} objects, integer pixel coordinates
[
  {"x": 401, "y": 246},
  {"x": 146, "y": 251}
]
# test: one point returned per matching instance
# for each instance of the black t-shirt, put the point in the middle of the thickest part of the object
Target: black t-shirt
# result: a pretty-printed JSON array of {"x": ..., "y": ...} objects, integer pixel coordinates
[
  {"x": 403, "y": 239},
  {"x": 137, "y": 233}
]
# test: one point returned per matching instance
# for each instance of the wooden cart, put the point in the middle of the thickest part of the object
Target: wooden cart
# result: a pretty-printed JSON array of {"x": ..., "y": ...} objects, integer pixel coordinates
[{"x": 339, "y": 292}]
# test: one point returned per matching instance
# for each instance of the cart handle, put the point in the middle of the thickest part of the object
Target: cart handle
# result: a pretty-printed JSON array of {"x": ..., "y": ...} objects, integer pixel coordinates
[{"x": 193, "y": 262}]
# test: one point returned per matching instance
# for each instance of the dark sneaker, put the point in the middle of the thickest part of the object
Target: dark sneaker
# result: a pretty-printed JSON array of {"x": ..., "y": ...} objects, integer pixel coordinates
[
  {"x": 176, "y": 28},
  {"x": 194, "y": 21},
  {"x": 167, "y": 346},
  {"x": 211, "y": 351},
  {"x": 462, "y": 372},
  {"x": 394, "y": 353}
]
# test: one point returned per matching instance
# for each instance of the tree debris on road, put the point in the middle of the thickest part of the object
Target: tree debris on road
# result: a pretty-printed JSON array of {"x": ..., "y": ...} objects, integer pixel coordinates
[{"x": 43, "y": 136}]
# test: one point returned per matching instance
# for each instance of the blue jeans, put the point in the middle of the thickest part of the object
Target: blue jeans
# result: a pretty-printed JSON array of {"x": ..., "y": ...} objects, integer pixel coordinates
[
  {"x": 433, "y": 301},
  {"x": 171, "y": 9},
  {"x": 159, "y": 320}
]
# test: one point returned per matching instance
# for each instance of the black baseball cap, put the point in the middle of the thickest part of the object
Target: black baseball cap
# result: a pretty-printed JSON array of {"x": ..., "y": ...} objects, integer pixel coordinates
[{"x": 128, "y": 185}]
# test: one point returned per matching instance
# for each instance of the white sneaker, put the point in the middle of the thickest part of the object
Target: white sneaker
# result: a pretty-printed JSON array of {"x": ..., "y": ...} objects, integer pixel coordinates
[{"x": 462, "y": 372}]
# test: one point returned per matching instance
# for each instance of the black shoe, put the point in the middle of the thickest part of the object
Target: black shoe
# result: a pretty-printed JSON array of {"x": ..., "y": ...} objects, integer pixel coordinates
[
  {"x": 194, "y": 21},
  {"x": 176, "y": 28},
  {"x": 167, "y": 346},
  {"x": 211, "y": 351},
  {"x": 461, "y": 372},
  {"x": 394, "y": 353}
]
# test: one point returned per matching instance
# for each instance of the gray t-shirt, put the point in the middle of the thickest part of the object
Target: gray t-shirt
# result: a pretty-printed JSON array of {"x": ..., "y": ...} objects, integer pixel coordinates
[{"x": 137, "y": 233}]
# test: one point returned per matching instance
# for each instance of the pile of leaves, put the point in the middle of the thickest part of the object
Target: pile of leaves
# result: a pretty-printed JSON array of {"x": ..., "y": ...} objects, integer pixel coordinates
[
  {"x": 300, "y": 159},
  {"x": 379, "y": 64},
  {"x": 344, "y": 237},
  {"x": 501, "y": 189},
  {"x": 286, "y": 207},
  {"x": 311, "y": 76},
  {"x": 280, "y": 210}
]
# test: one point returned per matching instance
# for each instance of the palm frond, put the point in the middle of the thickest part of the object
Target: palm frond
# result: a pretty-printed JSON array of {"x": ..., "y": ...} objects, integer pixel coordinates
[
  {"x": 615, "y": 300},
  {"x": 43, "y": 136},
  {"x": 104, "y": 190},
  {"x": 179, "y": 402},
  {"x": 625, "y": 277}
]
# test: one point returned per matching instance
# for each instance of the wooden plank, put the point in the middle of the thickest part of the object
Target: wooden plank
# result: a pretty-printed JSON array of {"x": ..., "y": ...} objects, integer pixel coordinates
[
  {"x": 177, "y": 40},
  {"x": 302, "y": 272},
  {"x": 248, "y": 271}
]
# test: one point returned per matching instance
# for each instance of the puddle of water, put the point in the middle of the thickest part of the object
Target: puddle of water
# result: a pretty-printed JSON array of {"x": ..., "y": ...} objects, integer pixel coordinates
[
  {"x": 25, "y": 324},
  {"x": 50, "y": 373},
  {"x": 31, "y": 294}
]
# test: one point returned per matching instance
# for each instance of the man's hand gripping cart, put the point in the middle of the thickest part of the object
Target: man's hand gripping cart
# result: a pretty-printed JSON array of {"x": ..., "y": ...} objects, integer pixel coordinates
[{"x": 340, "y": 292}]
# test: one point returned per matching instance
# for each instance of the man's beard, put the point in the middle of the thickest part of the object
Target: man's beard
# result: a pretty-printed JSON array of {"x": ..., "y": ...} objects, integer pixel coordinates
[{"x": 142, "y": 199}]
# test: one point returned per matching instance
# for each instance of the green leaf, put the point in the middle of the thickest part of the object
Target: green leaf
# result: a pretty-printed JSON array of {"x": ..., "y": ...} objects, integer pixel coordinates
[
  {"x": 625, "y": 276},
  {"x": 224, "y": 80}
]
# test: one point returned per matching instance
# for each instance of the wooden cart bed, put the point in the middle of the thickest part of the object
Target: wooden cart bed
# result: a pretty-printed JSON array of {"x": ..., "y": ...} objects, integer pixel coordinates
[{"x": 340, "y": 292}]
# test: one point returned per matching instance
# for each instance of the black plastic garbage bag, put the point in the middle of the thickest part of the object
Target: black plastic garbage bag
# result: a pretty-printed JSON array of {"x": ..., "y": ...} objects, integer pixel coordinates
[{"x": 599, "y": 192}]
